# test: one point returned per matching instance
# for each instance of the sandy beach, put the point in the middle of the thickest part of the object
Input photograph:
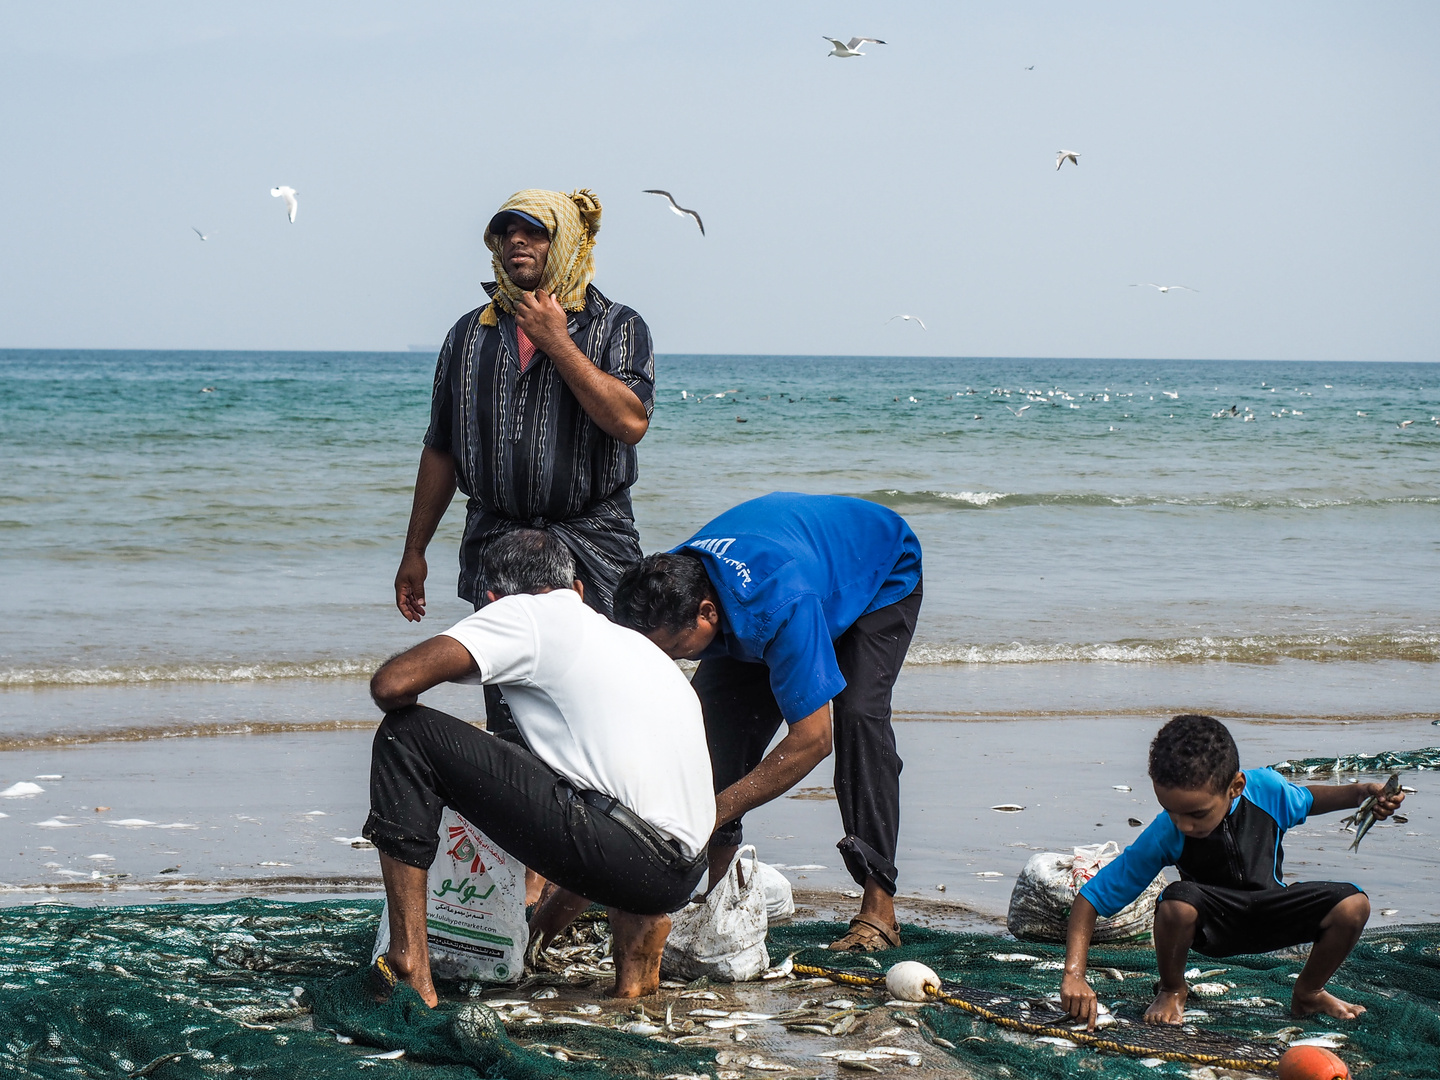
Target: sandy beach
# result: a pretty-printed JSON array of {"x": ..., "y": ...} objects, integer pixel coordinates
[{"x": 275, "y": 812}]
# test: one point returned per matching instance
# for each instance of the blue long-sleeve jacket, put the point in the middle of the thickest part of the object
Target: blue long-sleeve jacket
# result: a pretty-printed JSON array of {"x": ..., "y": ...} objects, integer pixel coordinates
[{"x": 1244, "y": 852}]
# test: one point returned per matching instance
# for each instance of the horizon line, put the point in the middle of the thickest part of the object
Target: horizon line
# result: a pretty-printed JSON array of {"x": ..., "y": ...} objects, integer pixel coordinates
[{"x": 426, "y": 352}]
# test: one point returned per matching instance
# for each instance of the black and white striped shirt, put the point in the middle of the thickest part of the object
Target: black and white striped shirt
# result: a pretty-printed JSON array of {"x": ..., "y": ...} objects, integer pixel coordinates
[{"x": 527, "y": 454}]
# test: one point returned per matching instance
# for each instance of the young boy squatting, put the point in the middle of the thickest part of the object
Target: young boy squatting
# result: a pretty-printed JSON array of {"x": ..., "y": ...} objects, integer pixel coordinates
[{"x": 1222, "y": 829}]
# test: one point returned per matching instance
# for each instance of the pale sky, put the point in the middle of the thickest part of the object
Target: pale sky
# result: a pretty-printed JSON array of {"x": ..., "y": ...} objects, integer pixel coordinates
[{"x": 1280, "y": 158}]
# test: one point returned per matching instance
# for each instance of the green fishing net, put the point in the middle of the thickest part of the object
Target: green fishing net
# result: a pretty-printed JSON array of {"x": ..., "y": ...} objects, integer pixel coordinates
[
  {"x": 257, "y": 988},
  {"x": 1383, "y": 762},
  {"x": 1394, "y": 973}
]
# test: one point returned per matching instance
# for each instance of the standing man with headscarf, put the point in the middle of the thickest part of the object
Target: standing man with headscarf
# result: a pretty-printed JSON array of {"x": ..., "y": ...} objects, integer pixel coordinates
[{"x": 540, "y": 398}]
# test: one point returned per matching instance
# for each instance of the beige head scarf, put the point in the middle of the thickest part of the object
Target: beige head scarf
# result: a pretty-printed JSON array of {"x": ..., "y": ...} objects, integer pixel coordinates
[{"x": 572, "y": 220}]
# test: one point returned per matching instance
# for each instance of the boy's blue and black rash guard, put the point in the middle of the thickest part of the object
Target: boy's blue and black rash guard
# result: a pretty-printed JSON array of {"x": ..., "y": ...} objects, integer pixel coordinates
[
  {"x": 791, "y": 574},
  {"x": 1244, "y": 852}
]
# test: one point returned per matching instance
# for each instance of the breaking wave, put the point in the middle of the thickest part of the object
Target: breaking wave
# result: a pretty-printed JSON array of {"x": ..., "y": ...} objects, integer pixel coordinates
[
  {"x": 185, "y": 673},
  {"x": 1255, "y": 649},
  {"x": 1413, "y": 646},
  {"x": 1003, "y": 500}
]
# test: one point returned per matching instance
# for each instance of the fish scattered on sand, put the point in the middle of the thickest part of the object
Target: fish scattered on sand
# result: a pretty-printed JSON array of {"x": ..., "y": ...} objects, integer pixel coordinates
[
  {"x": 1009, "y": 807},
  {"x": 1053, "y": 1040},
  {"x": 1210, "y": 989}
]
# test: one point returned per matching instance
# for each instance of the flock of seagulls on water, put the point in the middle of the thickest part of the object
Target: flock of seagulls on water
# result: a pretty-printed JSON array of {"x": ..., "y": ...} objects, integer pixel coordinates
[{"x": 1056, "y": 398}]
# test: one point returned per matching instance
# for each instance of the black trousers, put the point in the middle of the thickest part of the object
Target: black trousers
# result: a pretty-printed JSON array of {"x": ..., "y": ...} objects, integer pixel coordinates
[
  {"x": 425, "y": 760},
  {"x": 1236, "y": 921},
  {"x": 742, "y": 716}
]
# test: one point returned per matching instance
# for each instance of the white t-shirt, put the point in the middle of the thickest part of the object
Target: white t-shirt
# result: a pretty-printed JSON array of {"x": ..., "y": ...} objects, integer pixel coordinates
[{"x": 599, "y": 704}]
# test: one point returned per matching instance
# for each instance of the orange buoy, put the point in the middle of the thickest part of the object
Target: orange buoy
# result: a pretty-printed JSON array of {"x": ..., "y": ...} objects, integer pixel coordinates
[{"x": 1312, "y": 1063}]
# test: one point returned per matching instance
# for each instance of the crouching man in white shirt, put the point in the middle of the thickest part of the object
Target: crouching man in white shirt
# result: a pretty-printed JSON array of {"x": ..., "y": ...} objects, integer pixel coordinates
[{"x": 611, "y": 798}]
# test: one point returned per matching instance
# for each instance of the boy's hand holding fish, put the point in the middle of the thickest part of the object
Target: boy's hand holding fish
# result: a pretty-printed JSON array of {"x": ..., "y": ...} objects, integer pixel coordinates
[{"x": 1373, "y": 802}]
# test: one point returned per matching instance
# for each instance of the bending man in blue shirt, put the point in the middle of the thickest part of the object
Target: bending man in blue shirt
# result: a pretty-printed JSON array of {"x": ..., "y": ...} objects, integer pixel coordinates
[{"x": 800, "y": 609}]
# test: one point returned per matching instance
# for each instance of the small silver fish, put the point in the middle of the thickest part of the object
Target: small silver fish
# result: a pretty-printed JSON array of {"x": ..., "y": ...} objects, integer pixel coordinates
[{"x": 1364, "y": 817}]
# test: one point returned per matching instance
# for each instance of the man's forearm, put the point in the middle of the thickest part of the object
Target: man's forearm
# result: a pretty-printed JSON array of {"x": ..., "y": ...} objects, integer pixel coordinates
[
  {"x": 608, "y": 401},
  {"x": 805, "y": 745},
  {"x": 1078, "y": 934},
  {"x": 434, "y": 488}
]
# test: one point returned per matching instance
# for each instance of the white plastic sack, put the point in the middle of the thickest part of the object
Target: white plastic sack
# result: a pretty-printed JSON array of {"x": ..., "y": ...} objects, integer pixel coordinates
[
  {"x": 475, "y": 910},
  {"x": 779, "y": 896},
  {"x": 1046, "y": 889},
  {"x": 722, "y": 936}
]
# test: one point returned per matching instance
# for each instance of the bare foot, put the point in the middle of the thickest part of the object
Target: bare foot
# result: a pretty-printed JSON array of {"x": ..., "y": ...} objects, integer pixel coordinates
[
  {"x": 1167, "y": 1008},
  {"x": 534, "y": 887},
  {"x": 1323, "y": 1002},
  {"x": 552, "y": 915},
  {"x": 417, "y": 979},
  {"x": 639, "y": 940}
]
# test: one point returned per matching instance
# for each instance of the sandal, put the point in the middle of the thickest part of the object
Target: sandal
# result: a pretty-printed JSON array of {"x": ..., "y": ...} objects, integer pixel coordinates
[
  {"x": 380, "y": 980},
  {"x": 867, "y": 935}
]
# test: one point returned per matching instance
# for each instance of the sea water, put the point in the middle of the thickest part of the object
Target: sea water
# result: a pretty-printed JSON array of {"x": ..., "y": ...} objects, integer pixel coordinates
[
  {"x": 233, "y": 517},
  {"x": 205, "y": 542}
]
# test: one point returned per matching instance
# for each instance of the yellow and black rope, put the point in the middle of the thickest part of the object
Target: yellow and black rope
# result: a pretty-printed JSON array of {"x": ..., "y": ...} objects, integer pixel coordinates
[{"x": 1092, "y": 1039}]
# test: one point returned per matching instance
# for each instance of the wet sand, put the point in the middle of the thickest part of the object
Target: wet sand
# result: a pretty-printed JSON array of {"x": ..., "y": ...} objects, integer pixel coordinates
[{"x": 276, "y": 813}]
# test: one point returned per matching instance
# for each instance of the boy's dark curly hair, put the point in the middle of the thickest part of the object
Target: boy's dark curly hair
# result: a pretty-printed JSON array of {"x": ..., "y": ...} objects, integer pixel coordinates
[
  {"x": 1194, "y": 753},
  {"x": 662, "y": 591}
]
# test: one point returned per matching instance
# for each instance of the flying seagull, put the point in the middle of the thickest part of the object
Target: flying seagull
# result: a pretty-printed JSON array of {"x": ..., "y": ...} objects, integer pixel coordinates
[
  {"x": 908, "y": 318},
  {"x": 853, "y": 48},
  {"x": 1017, "y": 413},
  {"x": 288, "y": 194},
  {"x": 1030, "y": 68},
  {"x": 677, "y": 208},
  {"x": 203, "y": 236},
  {"x": 1162, "y": 288},
  {"x": 1065, "y": 155}
]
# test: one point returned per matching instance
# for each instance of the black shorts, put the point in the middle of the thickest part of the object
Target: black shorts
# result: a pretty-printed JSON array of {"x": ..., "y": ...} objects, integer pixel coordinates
[{"x": 1239, "y": 921}]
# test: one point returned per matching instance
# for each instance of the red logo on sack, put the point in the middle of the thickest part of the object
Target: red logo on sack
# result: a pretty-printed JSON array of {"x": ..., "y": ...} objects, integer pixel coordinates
[{"x": 464, "y": 850}]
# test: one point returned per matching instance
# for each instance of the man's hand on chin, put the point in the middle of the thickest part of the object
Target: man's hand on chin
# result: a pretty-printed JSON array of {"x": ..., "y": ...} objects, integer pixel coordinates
[{"x": 543, "y": 319}]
